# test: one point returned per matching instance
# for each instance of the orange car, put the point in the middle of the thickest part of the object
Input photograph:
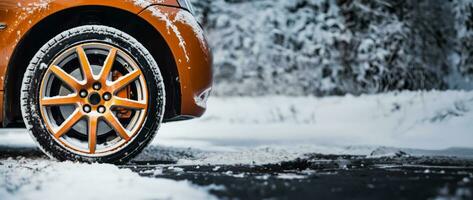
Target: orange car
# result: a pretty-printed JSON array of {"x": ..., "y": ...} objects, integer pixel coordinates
[{"x": 92, "y": 80}]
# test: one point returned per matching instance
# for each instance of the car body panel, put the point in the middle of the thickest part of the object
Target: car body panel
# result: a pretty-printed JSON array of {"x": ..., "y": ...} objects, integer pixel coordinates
[
  {"x": 187, "y": 42},
  {"x": 191, "y": 52}
]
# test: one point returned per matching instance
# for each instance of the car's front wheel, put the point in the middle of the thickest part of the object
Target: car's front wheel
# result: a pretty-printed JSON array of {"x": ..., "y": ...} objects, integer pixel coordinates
[{"x": 93, "y": 94}]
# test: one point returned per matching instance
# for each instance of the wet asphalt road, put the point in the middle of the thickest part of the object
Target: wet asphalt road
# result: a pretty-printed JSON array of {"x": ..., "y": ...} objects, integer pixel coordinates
[{"x": 317, "y": 176}]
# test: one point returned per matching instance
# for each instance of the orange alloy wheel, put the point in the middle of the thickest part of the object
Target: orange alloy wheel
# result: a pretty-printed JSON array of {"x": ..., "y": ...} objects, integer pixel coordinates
[{"x": 88, "y": 101}]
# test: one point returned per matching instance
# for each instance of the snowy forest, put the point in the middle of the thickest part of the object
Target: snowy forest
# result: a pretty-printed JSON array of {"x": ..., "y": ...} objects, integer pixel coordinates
[{"x": 335, "y": 47}]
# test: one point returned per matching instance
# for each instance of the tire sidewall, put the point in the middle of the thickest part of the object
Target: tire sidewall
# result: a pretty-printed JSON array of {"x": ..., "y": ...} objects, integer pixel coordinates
[{"x": 86, "y": 34}]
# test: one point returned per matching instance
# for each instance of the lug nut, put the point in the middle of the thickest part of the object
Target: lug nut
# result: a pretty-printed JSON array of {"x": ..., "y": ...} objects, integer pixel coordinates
[
  {"x": 107, "y": 96},
  {"x": 83, "y": 93},
  {"x": 101, "y": 109},
  {"x": 87, "y": 108},
  {"x": 97, "y": 86}
]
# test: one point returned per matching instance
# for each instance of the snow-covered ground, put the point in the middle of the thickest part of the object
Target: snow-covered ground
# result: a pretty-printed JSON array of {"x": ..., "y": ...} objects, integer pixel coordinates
[
  {"x": 45, "y": 179},
  {"x": 257, "y": 130}
]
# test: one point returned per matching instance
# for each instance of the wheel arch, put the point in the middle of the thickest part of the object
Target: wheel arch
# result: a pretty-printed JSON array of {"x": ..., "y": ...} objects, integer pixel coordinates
[{"x": 123, "y": 20}]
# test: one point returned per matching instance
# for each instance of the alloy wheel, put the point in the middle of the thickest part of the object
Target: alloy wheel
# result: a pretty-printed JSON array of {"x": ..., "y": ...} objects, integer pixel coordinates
[{"x": 93, "y": 99}]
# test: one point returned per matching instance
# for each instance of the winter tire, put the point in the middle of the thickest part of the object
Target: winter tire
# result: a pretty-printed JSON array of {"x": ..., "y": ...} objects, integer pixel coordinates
[{"x": 93, "y": 94}]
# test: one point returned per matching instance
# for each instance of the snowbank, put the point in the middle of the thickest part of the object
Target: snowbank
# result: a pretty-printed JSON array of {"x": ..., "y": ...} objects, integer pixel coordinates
[{"x": 425, "y": 120}]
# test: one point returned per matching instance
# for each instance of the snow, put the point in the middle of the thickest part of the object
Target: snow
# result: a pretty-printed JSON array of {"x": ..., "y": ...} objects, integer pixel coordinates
[
  {"x": 187, "y": 18},
  {"x": 32, "y": 7},
  {"x": 142, "y": 3},
  {"x": 27, "y": 10},
  {"x": 426, "y": 120},
  {"x": 43, "y": 179},
  {"x": 290, "y": 176},
  {"x": 15, "y": 138}
]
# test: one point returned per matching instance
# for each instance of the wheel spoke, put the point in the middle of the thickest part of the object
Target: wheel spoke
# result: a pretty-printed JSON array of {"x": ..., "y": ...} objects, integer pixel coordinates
[
  {"x": 116, "y": 125},
  {"x": 92, "y": 126},
  {"x": 128, "y": 103},
  {"x": 125, "y": 80},
  {"x": 84, "y": 63},
  {"x": 65, "y": 77},
  {"x": 107, "y": 67},
  {"x": 59, "y": 100},
  {"x": 68, "y": 123}
]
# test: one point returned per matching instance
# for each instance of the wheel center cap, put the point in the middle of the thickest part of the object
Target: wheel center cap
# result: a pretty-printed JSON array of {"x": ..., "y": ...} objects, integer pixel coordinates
[{"x": 94, "y": 98}]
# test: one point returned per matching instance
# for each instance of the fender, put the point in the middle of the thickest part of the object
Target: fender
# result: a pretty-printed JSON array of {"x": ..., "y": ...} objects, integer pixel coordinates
[{"x": 184, "y": 35}]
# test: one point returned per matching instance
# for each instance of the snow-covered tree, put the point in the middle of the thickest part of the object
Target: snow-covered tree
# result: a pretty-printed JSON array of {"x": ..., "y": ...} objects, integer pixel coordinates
[
  {"x": 326, "y": 47},
  {"x": 463, "y": 58}
]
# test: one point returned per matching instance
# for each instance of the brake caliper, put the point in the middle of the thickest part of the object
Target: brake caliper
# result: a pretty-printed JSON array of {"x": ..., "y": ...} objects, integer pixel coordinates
[{"x": 122, "y": 113}]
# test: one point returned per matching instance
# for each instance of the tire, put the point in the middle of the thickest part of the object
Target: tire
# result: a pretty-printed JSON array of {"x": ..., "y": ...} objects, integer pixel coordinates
[{"x": 38, "y": 70}]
